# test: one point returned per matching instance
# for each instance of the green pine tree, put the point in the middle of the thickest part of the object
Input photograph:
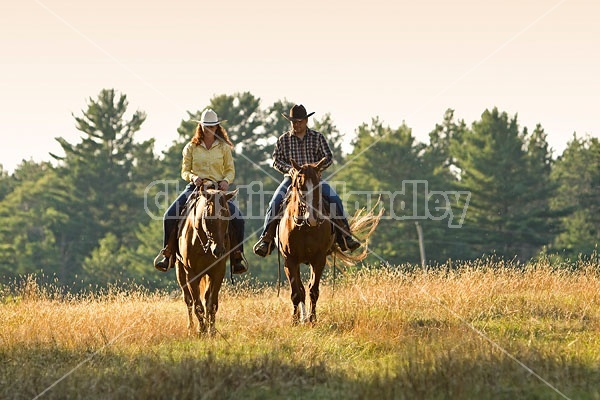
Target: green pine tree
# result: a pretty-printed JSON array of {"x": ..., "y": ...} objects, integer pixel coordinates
[
  {"x": 30, "y": 235},
  {"x": 386, "y": 160},
  {"x": 577, "y": 172},
  {"x": 507, "y": 172},
  {"x": 443, "y": 237},
  {"x": 101, "y": 174}
]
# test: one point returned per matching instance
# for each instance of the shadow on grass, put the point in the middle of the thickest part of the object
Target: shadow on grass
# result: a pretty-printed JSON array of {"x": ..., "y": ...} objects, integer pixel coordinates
[{"x": 29, "y": 372}]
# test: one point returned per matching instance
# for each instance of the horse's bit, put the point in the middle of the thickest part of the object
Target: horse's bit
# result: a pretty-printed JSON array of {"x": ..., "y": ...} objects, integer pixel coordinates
[{"x": 302, "y": 207}]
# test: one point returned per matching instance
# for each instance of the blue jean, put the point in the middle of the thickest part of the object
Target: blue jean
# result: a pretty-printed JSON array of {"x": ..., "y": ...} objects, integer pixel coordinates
[
  {"x": 330, "y": 196},
  {"x": 172, "y": 216}
]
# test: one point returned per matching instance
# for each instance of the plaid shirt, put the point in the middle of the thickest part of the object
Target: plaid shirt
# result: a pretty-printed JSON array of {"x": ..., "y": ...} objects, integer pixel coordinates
[{"x": 310, "y": 149}]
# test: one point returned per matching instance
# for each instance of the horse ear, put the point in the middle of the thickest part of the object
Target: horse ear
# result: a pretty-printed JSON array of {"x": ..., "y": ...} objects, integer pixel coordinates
[
  {"x": 295, "y": 165},
  {"x": 231, "y": 195},
  {"x": 319, "y": 165},
  {"x": 204, "y": 186}
]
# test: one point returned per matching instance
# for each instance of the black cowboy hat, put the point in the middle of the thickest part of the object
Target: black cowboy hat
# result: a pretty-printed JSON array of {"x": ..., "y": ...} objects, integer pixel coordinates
[{"x": 297, "y": 113}]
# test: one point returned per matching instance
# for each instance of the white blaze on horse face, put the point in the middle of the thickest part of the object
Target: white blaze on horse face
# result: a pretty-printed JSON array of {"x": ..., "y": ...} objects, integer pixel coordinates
[{"x": 311, "y": 212}]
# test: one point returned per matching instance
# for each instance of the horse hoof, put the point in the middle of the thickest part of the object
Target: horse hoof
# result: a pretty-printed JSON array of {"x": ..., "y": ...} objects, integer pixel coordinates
[{"x": 201, "y": 331}]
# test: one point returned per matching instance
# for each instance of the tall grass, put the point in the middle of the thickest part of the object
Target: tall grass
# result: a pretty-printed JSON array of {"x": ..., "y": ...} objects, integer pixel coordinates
[{"x": 477, "y": 330}]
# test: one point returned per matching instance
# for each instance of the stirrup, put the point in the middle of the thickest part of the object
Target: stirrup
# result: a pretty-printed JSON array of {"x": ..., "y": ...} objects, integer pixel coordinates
[
  {"x": 350, "y": 243},
  {"x": 165, "y": 264},
  {"x": 262, "y": 243},
  {"x": 241, "y": 262},
  {"x": 342, "y": 242},
  {"x": 162, "y": 265}
]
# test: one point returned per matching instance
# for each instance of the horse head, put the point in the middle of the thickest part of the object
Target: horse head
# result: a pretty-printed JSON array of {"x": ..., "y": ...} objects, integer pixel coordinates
[
  {"x": 212, "y": 219},
  {"x": 306, "y": 192}
]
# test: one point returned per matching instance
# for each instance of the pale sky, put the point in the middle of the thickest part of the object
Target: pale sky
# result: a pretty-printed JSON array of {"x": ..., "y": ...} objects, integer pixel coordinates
[{"x": 399, "y": 60}]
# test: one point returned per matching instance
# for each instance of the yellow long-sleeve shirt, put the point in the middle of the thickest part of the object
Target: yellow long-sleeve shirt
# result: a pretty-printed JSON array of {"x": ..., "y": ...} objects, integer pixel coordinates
[{"x": 215, "y": 163}]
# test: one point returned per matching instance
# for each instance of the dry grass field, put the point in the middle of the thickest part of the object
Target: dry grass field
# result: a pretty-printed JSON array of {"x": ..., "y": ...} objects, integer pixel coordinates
[{"x": 479, "y": 331}]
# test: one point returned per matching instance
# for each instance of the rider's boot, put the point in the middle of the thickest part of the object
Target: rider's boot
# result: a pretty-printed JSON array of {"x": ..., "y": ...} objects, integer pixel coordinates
[
  {"x": 344, "y": 237},
  {"x": 264, "y": 246},
  {"x": 347, "y": 242},
  {"x": 162, "y": 262},
  {"x": 238, "y": 262}
]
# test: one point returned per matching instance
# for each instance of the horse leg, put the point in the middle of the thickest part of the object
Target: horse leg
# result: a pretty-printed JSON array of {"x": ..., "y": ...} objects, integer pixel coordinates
[
  {"x": 292, "y": 271},
  {"x": 197, "y": 304},
  {"x": 216, "y": 288},
  {"x": 209, "y": 304},
  {"x": 315, "y": 279},
  {"x": 187, "y": 295}
]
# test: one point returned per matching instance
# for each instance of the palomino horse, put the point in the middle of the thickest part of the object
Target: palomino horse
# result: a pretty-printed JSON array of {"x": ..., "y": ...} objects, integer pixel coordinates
[
  {"x": 203, "y": 252},
  {"x": 305, "y": 235}
]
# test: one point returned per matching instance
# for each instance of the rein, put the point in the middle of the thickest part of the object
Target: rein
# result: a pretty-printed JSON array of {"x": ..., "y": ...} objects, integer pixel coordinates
[
  {"x": 278, "y": 271},
  {"x": 302, "y": 207},
  {"x": 209, "y": 237}
]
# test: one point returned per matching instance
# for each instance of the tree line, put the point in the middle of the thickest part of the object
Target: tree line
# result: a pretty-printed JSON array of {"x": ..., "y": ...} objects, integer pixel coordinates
[{"x": 491, "y": 188}]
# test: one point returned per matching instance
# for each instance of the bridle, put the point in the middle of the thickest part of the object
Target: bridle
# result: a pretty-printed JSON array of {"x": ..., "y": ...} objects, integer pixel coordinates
[
  {"x": 303, "y": 205},
  {"x": 209, "y": 235}
]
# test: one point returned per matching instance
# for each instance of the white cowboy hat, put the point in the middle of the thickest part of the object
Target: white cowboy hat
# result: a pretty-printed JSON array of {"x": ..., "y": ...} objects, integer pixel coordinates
[{"x": 209, "y": 118}]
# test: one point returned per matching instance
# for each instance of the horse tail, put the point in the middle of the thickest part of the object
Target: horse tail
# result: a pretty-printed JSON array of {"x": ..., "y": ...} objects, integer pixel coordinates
[{"x": 362, "y": 225}]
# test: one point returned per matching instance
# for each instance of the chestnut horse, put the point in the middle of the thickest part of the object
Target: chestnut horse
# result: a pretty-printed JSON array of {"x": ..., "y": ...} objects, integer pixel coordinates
[
  {"x": 203, "y": 252},
  {"x": 305, "y": 236}
]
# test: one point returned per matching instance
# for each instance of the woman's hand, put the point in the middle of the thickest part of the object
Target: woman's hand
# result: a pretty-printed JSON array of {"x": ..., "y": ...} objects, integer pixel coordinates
[
  {"x": 198, "y": 181},
  {"x": 223, "y": 185}
]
